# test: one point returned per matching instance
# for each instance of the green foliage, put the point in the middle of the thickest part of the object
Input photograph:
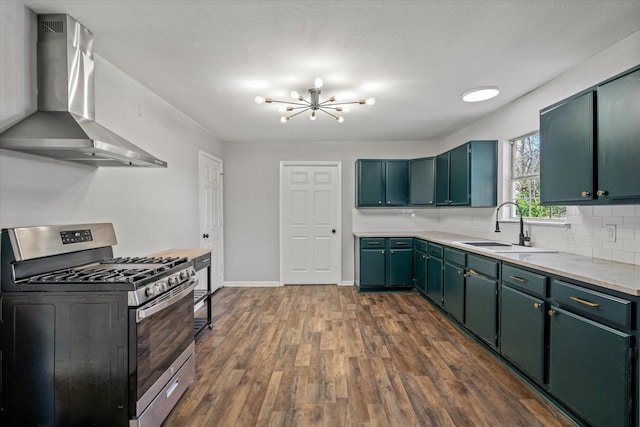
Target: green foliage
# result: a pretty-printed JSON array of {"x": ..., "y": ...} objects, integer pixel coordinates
[{"x": 525, "y": 173}]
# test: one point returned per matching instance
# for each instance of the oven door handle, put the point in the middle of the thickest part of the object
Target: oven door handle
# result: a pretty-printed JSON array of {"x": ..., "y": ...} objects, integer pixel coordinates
[{"x": 143, "y": 313}]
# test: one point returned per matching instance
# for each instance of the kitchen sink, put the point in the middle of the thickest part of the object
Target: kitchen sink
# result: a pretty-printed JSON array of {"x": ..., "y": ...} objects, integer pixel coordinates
[{"x": 502, "y": 247}]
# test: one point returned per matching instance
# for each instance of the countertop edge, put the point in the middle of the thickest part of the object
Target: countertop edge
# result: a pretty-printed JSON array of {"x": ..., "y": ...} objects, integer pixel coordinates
[{"x": 629, "y": 274}]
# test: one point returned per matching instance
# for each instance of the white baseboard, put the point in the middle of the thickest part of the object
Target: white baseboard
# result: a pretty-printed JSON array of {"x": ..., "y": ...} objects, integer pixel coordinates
[
  {"x": 269, "y": 284},
  {"x": 252, "y": 284}
]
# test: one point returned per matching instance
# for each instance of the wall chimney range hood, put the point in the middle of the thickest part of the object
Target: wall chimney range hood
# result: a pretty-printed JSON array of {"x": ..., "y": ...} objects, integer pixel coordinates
[{"x": 64, "y": 126}]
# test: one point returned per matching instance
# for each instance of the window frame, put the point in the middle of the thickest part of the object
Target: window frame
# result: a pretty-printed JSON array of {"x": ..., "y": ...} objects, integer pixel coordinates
[{"x": 513, "y": 179}]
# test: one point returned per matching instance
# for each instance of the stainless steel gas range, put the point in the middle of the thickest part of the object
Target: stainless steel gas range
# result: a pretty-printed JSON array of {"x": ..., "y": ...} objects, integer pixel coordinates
[{"x": 88, "y": 339}]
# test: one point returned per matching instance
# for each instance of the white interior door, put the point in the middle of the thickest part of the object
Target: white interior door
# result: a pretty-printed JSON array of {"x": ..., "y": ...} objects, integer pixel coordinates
[
  {"x": 309, "y": 219},
  {"x": 211, "y": 214}
]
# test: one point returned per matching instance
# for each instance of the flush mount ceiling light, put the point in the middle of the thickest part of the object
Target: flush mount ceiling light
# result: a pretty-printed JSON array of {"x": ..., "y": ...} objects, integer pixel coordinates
[
  {"x": 313, "y": 104},
  {"x": 480, "y": 94}
]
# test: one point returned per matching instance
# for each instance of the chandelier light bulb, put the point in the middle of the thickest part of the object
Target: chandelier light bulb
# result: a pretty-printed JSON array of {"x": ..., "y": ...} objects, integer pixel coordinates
[
  {"x": 284, "y": 119},
  {"x": 340, "y": 119},
  {"x": 370, "y": 101},
  {"x": 313, "y": 115},
  {"x": 318, "y": 82},
  {"x": 295, "y": 95},
  {"x": 282, "y": 109},
  {"x": 259, "y": 100}
]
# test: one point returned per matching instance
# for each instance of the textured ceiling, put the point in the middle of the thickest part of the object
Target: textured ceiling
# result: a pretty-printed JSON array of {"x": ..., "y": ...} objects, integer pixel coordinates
[{"x": 211, "y": 58}]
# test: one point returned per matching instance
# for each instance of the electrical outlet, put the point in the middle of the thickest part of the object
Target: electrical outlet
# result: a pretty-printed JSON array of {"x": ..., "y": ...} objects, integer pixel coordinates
[{"x": 610, "y": 235}]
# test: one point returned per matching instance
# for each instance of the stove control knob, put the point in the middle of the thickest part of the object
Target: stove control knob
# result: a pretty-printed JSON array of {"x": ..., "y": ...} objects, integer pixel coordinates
[
  {"x": 158, "y": 287},
  {"x": 192, "y": 272},
  {"x": 173, "y": 281},
  {"x": 150, "y": 291},
  {"x": 183, "y": 275}
]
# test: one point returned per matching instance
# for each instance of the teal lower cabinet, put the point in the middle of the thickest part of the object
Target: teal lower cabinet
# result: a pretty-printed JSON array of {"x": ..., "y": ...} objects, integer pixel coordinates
[
  {"x": 386, "y": 263},
  {"x": 522, "y": 331},
  {"x": 434, "y": 273},
  {"x": 481, "y": 299},
  {"x": 482, "y": 307},
  {"x": 590, "y": 368},
  {"x": 578, "y": 345},
  {"x": 372, "y": 267},
  {"x": 420, "y": 265},
  {"x": 454, "y": 282},
  {"x": 401, "y": 266}
]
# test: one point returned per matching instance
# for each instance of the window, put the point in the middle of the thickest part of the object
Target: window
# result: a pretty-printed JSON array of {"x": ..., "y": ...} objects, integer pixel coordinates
[{"x": 525, "y": 179}]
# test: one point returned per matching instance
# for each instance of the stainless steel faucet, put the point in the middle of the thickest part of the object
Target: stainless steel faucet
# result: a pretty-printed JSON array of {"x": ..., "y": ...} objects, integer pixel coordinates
[{"x": 522, "y": 237}]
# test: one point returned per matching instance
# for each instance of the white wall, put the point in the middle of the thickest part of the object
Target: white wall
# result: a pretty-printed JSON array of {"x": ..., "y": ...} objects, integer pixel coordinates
[
  {"x": 251, "y": 195},
  {"x": 151, "y": 209},
  {"x": 585, "y": 232}
]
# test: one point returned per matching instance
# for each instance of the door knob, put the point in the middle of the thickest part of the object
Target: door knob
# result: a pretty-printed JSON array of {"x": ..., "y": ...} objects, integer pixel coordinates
[
  {"x": 586, "y": 194},
  {"x": 205, "y": 236}
]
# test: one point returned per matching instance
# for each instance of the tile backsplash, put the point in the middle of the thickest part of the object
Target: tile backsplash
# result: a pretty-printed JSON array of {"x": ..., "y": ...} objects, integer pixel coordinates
[{"x": 584, "y": 233}]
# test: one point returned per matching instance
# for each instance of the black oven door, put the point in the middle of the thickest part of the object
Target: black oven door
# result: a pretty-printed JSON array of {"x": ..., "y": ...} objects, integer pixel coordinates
[{"x": 161, "y": 335}]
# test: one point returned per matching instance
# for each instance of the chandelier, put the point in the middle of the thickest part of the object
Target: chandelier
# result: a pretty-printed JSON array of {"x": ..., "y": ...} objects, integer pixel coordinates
[{"x": 313, "y": 104}]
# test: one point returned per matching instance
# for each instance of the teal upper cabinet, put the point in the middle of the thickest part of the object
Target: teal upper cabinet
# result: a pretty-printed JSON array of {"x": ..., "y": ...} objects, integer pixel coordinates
[
  {"x": 566, "y": 150},
  {"x": 422, "y": 182},
  {"x": 397, "y": 182},
  {"x": 370, "y": 182},
  {"x": 468, "y": 175},
  {"x": 619, "y": 138},
  {"x": 382, "y": 183},
  {"x": 590, "y": 143}
]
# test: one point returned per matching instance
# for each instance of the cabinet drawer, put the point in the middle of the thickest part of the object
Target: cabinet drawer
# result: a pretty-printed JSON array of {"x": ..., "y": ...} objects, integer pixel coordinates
[
  {"x": 420, "y": 245},
  {"x": 592, "y": 304},
  {"x": 455, "y": 256},
  {"x": 522, "y": 279},
  {"x": 372, "y": 242},
  {"x": 435, "y": 250},
  {"x": 483, "y": 266},
  {"x": 401, "y": 242}
]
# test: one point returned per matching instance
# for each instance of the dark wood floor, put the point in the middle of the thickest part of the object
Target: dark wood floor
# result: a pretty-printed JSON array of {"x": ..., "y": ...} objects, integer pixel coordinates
[{"x": 328, "y": 356}]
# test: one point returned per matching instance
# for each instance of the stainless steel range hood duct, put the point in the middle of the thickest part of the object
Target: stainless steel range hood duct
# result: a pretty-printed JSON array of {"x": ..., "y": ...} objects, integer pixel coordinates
[{"x": 64, "y": 126}]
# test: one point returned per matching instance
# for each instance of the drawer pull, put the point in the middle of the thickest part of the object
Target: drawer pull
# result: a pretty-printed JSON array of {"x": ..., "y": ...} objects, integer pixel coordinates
[
  {"x": 602, "y": 193},
  {"x": 472, "y": 271},
  {"x": 551, "y": 313},
  {"x": 401, "y": 243},
  {"x": 391, "y": 251},
  {"x": 382, "y": 252},
  {"x": 460, "y": 273},
  {"x": 586, "y": 194},
  {"x": 518, "y": 279},
  {"x": 537, "y": 305},
  {"x": 581, "y": 301},
  {"x": 373, "y": 243},
  {"x": 424, "y": 257}
]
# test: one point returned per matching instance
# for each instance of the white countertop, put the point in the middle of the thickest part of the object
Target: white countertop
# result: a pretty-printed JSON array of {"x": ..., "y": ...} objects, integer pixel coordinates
[{"x": 616, "y": 276}]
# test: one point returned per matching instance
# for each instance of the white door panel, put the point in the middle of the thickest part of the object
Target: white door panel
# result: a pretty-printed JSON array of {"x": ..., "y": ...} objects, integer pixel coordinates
[
  {"x": 211, "y": 214},
  {"x": 310, "y": 203}
]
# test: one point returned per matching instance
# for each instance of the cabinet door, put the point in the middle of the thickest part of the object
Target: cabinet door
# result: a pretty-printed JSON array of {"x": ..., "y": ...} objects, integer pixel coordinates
[
  {"x": 619, "y": 138},
  {"x": 397, "y": 182},
  {"x": 481, "y": 307},
  {"x": 590, "y": 368},
  {"x": 400, "y": 267},
  {"x": 422, "y": 182},
  {"x": 434, "y": 280},
  {"x": 566, "y": 151},
  {"x": 442, "y": 179},
  {"x": 372, "y": 267},
  {"x": 420, "y": 270},
  {"x": 370, "y": 182},
  {"x": 459, "y": 176},
  {"x": 522, "y": 331},
  {"x": 453, "y": 290}
]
